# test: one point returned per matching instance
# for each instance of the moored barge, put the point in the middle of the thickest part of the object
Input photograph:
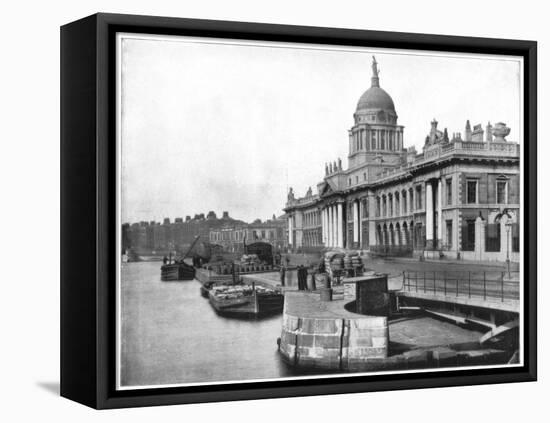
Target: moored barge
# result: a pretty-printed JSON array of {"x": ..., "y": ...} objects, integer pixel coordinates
[{"x": 245, "y": 300}]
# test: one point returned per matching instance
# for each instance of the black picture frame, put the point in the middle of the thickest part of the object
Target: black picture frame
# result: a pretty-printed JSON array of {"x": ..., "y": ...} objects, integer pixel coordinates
[{"x": 88, "y": 210}]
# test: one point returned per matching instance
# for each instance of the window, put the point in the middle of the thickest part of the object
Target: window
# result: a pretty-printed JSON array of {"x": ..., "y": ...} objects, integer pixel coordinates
[
  {"x": 365, "y": 176},
  {"x": 349, "y": 181},
  {"x": 449, "y": 233},
  {"x": 449, "y": 190},
  {"x": 502, "y": 192},
  {"x": 356, "y": 179},
  {"x": 471, "y": 192},
  {"x": 418, "y": 197},
  {"x": 469, "y": 235}
]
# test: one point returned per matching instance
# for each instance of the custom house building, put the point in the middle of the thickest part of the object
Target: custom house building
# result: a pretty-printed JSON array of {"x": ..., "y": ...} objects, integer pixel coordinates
[{"x": 458, "y": 198}]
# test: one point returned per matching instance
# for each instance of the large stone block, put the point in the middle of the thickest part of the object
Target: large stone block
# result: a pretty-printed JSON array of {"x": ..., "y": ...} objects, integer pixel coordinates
[
  {"x": 328, "y": 326},
  {"x": 445, "y": 357},
  {"x": 360, "y": 341},
  {"x": 288, "y": 338},
  {"x": 369, "y": 322},
  {"x": 305, "y": 340},
  {"x": 417, "y": 359},
  {"x": 308, "y": 325},
  {"x": 379, "y": 342},
  {"x": 290, "y": 323},
  {"x": 327, "y": 341}
]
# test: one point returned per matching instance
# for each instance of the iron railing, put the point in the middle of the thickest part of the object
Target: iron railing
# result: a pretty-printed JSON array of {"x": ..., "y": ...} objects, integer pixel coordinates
[{"x": 489, "y": 286}]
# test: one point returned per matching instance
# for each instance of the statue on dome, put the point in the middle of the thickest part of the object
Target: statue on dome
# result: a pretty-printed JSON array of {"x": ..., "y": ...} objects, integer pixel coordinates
[
  {"x": 309, "y": 192},
  {"x": 375, "y": 70}
]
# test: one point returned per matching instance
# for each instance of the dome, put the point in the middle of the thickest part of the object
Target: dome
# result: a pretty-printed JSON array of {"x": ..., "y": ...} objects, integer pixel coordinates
[{"x": 375, "y": 98}]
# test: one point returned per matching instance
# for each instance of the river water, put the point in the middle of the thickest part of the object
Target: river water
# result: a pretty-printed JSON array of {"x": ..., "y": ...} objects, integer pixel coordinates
[{"x": 170, "y": 335}]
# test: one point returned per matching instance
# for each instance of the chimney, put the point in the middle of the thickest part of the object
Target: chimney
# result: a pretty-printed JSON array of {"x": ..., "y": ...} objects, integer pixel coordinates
[{"x": 225, "y": 215}]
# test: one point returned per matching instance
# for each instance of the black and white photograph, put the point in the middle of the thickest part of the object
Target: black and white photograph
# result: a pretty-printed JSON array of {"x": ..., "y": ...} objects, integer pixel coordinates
[{"x": 295, "y": 210}]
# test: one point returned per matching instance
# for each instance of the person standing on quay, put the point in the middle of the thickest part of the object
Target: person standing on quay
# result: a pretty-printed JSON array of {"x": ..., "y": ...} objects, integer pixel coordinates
[{"x": 283, "y": 274}]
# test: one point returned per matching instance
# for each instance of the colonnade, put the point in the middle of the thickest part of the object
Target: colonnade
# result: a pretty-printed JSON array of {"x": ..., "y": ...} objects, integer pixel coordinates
[{"x": 332, "y": 218}]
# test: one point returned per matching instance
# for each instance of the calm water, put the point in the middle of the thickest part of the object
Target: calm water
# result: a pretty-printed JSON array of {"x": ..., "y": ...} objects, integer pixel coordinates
[{"x": 171, "y": 334}]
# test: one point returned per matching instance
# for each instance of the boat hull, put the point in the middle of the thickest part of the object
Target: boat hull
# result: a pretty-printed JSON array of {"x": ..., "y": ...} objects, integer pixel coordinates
[
  {"x": 177, "y": 272},
  {"x": 255, "y": 305}
]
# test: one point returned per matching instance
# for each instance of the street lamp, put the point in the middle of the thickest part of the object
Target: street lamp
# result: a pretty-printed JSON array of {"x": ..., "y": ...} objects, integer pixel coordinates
[{"x": 508, "y": 228}]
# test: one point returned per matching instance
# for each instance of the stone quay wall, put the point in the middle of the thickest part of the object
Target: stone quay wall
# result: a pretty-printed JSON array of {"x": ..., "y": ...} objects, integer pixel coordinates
[{"x": 333, "y": 342}]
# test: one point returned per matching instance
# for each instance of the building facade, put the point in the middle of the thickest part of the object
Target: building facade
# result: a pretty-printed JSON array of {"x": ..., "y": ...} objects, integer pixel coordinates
[
  {"x": 179, "y": 234},
  {"x": 232, "y": 237},
  {"x": 459, "y": 197}
]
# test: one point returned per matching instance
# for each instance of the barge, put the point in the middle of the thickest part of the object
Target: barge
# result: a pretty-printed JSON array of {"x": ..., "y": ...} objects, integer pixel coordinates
[
  {"x": 245, "y": 300},
  {"x": 178, "y": 270}
]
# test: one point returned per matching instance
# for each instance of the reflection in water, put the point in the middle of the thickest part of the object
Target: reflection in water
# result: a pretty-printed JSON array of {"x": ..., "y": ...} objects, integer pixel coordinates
[{"x": 170, "y": 334}]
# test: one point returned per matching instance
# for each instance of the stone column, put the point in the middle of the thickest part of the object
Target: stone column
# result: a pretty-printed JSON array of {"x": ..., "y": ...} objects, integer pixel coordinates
[
  {"x": 480, "y": 238},
  {"x": 372, "y": 224},
  {"x": 355, "y": 222},
  {"x": 429, "y": 217},
  {"x": 290, "y": 231},
  {"x": 340, "y": 222},
  {"x": 360, "y": 224},
  {"x": 439, "y": 213},
  {"x": 323, "y": 227},
  {"x": 331, "y": 226}
]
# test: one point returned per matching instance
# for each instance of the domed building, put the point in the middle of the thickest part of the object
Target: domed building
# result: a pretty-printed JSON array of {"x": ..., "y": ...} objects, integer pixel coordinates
[
  {"x": 392, "y": 200},
  {"x": 375, "y": 132}
]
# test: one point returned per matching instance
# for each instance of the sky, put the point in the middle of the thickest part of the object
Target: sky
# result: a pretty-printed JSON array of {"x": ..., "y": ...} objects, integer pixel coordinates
[{"x": 228, "y": 125}]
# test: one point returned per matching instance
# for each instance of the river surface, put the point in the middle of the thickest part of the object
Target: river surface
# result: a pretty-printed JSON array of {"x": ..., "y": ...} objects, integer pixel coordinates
[{"x": 170, "y": 334}]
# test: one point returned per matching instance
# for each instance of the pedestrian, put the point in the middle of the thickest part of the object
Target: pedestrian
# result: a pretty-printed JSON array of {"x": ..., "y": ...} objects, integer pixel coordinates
[
  {"x": 283, "y": 274},
  {"x": 302, "y": 278},
  {"x": 165, "y": 260},
  {"x": 313, "y": 285}
]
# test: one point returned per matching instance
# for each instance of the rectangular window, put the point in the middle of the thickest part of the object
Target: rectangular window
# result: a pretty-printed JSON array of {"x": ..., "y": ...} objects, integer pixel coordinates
[
  {"x": 502, "y": 191},
  {"x": 418, "y": 197},
  {"x": 469, "y": 235},
  {"x": 471, "y": 192},
  {"x": 364, "y": 176},
  {"x": 356, "y": 179},
  {"x": 449, "y": 233},
  {"x": 449, "y": 189}
]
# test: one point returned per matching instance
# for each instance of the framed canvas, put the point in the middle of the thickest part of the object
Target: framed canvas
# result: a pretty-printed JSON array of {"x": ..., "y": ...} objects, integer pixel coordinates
[{"x": 257, "y": 211}]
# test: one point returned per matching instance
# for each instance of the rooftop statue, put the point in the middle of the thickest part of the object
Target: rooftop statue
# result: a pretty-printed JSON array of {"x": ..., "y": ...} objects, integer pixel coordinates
[
  {"x": 290, "y": 196},
  {"x": 375, "y": 70}
]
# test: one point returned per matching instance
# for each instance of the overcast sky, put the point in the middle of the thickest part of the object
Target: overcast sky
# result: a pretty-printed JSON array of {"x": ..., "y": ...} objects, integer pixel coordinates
[{"x": 230, "y": 126}]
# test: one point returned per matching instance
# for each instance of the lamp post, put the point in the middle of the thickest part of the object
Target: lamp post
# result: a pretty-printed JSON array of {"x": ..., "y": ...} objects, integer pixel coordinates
[{"x": 508, "y": 228}]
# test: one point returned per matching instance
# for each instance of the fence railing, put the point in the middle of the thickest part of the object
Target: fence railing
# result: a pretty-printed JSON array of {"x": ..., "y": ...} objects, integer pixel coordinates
[{"x": 489, "y": 286}]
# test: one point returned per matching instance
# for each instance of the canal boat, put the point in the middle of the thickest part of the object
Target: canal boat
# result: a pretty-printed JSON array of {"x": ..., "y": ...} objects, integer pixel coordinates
[
  {"x": 245, "y": 300},
  {"x": 178, "y": 270}
]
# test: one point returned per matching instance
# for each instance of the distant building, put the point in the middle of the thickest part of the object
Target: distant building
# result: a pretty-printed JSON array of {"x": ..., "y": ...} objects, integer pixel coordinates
[
  {"x": 233, "y": 236},
  {"x": 156, "y": 236},
  {"x": 460, "y": 196}
]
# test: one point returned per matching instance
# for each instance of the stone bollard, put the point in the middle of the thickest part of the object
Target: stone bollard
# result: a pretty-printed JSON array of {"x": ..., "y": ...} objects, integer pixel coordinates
[{"x": 326, "y": 294}]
